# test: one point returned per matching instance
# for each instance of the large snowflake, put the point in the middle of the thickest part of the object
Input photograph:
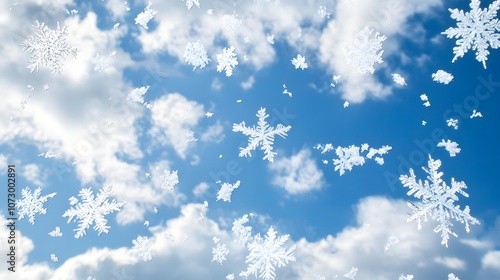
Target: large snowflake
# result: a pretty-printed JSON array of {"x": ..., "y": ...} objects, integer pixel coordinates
[
  {"x": 92, "y": 210},
  {"x": 48, "y": 48},
  {"x": 267, "y": 253},
  {"x": 365, "y": 51},
  {"x": 262, "y": 135},
  {"x": 32, "y": 203},
  {"x": 475, "y": 30},
  {"x": 226, "y": 61},
  {"x": 437, "y": 200}
]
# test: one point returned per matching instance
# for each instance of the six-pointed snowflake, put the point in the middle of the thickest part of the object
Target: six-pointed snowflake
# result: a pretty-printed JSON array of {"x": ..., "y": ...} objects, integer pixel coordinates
[
  {"x": 437, "y": 201},
  {"x": 365, "y": 51},
  {"x": 196, "y": 55},
  {"x": 266, "y": 254},
  {"x": 48, "y": 48},
  {"x": 299, "y": 62},
  {"x": 476, "y": 30},
  {"x": 141, "y": 248},
  {"x": 226, "y": 61},
  {"x": 262, "y": 135},
  {"x": 32, "y": 203},
  {"x": 219, "y": 252},
  {"x": 92, "y": 210}
]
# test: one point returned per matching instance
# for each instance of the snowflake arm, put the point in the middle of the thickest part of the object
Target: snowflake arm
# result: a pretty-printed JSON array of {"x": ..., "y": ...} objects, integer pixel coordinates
[
  {"x": 92, "y": 210},
  {"x": 476, "y": 30},
  {"x": 262, "y": 135},
  {"x": 31, "y": 204},
  {"x": 437, "y": 201}
]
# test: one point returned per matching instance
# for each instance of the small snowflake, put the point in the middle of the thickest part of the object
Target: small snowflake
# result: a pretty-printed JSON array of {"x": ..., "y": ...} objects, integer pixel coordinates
[
  {"x": 226, "y": 61},
  {"x": 424, "y": 98},
  {"x": 31, "y": 203},
  {"x": 365, "y": 51},
  {"x": 143, "y": 18},
  {"x": 323, "y": 13},
  {"x": 391, "y": 241},
  {"x": 398, "y": 79},
  {"x": 169, "y": 180},
  {"x": 346, "y": 104},
  {"x": 219, "y": 252},
  {"x": 196, "y": 55},
  {"x": 141, "y": 247},
  {"x": 452, "y": 123},
  {"x": 450, "y": 146},
  {"x": 299, "y": 62},
  {"x": 407, "y": 277},
  {"x": 226, "y": 190},
  {"x": 452, "y": 276},
  {"x": 189, "y": 3},
  {"x": 270, "y": 38},
  {"x": 352, "y": 273},
  {"x": 54, "y": 258},
  {"x": 56, "y": 232},
  {"x": 99, "y": 63},
  {"x": 230, "y": 23},
  {"x": 285, "y": 91},
  {"x": 242, "y": 233},
  {"x": 442, "y": 77},
  {"x": 476, "y": 114}
]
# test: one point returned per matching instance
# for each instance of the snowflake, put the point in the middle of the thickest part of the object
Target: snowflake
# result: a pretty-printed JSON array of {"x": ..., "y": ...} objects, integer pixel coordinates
[
  {"x": 230, "y": 23},
  {"x": 442, "y": 77},
  {"x": 476, "y": 114},
  {"x": 190, "y": 136},
  {"x": 144, "y": 17},
  {"x": 346, "y": 104},
  {"x": 270, "y": 38},
  {"x": 299, "y": 62},
  {"x": 99, "y": 63},
  {"x": 230, "y": 276},
  {"x": 141, "y": 246},
  {"x": 437, "y": 200},
  {"x": 452, "y": 123},
  {"x": 398, "y": 79},
  {"x": 54, "y": 258},
  {"x": 424, "y": 98},
  {"x": 91, "y": 211},
  {"x": 267, "y": 253},
  {"x": 391, "y": 241},
  {"x": 262, "y": 135},
  {"x": 365, "y": 51},
  {"x": 323, "y": 13},
  {"x": 348, "y": 157},
  {"x": 285, "y": 91},
  {"x": 56, "y": 232},
  {"x": 220, "y": 252},
  {"x": 452, "y": 276},
  {"x": 450, "y": 146},
  {"x": 137, "y": 96},
  {"x": 407, "y": 277},
  {"x": 476, "y": 30},
  {"x": 189, "y": 3},
  {"x": 226, "y": 61},
  {"x": 169, "y": 180},
  {"x": 196, "y": 55},
  {"x": 48, "y": 48},
  {"x": 226, "y": 190},
  {"x": 31, "y": 204},
  {"x": 352, "y": 273},
  {"x": 242, "y": 233},
  {"x": 335, "y": 80}
]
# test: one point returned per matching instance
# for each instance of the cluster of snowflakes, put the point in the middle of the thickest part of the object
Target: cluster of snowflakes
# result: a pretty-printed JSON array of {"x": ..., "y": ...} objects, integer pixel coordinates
[{"x": 477, "y": 30}]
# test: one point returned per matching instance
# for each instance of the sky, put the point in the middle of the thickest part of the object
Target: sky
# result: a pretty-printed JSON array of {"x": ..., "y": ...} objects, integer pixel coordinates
[{"x": 100, "y": 139}]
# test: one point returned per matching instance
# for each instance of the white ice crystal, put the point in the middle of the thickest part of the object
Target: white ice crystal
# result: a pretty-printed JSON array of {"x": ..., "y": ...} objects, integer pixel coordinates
[
  {"x": 99, "y": 62},
  {"x": 196, "y": 55},
  {"x": 352, "y": 273},
  {"x": 476, "y": 30},
  {"x": 407, "y": 277},
  {"x": 143, "y": 18},
  {"x": 169, "y": 180},
  {"x": 437, "y": 201},
  {"x": 424, "y": 98},
  {"x": 226, "y": 191},
  {"x": 398, "y": 79},
  {"x": 452, "y": 276},
  {"x": 226, "y": 61},
  {"x": 142, "y": 248},
  {"x": 31, "y": 204},
  {"x": 48, "y": 48},
  {"x": 299, "y": 62},
  {"x": 56, "y": 232},
  {"x": 262, "y": 135},
  {"x": 347, "y": 158},
  {"x": 476, "y": 114},
  {"x": 266, "y": 254},
  {"x": 219, "y": 252},
  {"x": 365, "y": 50},
  {"x": 450, "y": 146},
  {"x": 92, "y": 210},
  {"x": 230, "y": 23},
  {"x": 242, "y": 233},
  {"x": 391, "y": 241},
  {"x": 189, "y": 3},
  {"x": 442, "y": 77},
  {"x": 451, "y": 122}
]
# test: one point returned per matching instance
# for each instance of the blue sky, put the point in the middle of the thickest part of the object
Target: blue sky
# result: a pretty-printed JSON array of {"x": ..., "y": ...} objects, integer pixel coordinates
[{"x": 328, "y": 218}]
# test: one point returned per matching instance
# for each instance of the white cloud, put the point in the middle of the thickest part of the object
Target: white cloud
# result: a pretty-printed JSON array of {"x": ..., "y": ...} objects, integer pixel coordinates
[
  {"x": 298, "y": 173},
  {"x": 173, "y": 116},
  {"x": 451, "y": 262},
  {"x": 491, "y": 260},
  {"x": 200, "y": 189},
  {"x": 248, "y": 84},
  {"x": 213, "y": 133},
  {"x": 31, "y": 173}
]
